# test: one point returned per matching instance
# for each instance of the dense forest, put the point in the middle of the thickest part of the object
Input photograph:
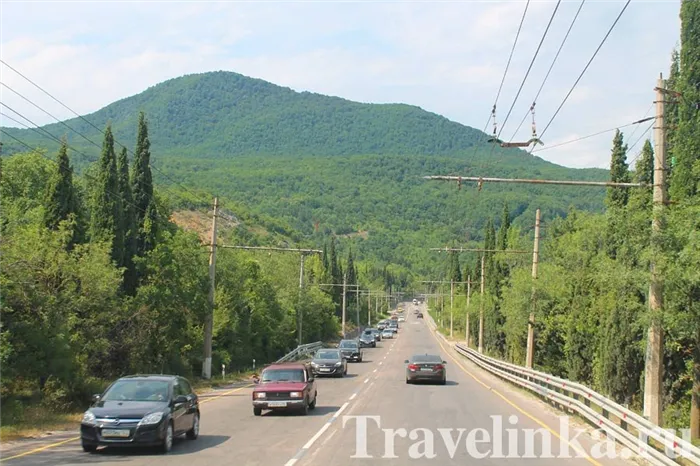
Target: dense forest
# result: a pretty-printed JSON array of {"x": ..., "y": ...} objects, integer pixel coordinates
[
  {"x": 98, "y": 282},
  {"x": 308, "y": 165},
  {"x": 591, "y": 295}
]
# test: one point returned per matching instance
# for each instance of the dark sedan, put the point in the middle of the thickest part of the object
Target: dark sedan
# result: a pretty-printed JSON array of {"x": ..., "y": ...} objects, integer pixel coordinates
[
  {"x": 350, "y": 350},
  {"x": 142, "y": 410},
  {"x": 427, "y": 367},
  {"x": 329, "y": 362},
  {"x": 367, "y": 340}
]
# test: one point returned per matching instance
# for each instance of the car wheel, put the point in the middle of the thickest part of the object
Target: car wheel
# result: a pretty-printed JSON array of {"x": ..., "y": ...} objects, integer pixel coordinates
[
  {"x": 408, "y": 381},
  {"x": 312, "y": 405},
  {"x": 87, "y": 448},
  {"x": 305, "y": 408},
  {"x": 168, "y": 440},
  {"x": 257, "y": 411},
  {"x": 345, "y": 372},
  {"x": 443, "y": 382},
  {"x": 193, "y": 433}
]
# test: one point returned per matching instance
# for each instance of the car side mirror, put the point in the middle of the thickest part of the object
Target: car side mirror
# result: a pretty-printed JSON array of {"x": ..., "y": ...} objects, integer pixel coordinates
[
  {"x": 406, "y": 361},
  {"x": 180, "y": 399},
  {"x": 96, "y": 397}
]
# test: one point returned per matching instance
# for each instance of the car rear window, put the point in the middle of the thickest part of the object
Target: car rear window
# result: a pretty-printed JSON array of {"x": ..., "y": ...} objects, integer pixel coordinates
[{"x": 426, "y": 358}]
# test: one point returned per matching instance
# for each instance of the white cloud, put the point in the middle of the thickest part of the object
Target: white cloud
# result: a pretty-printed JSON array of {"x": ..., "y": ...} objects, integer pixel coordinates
[{"x": 447, "y": 57}]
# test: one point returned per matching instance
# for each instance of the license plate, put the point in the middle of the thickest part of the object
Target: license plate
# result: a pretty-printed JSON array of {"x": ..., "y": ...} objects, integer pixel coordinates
[
  {"x": 277, "y": 404},
  {"x": 325, "y": 370},
  {"x": 118, "y": 433},
  {"x": 426, "y": 369}
]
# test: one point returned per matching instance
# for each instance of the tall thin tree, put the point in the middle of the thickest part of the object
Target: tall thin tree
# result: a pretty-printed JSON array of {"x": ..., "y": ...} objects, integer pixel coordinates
[{"x": 142, "y": 189}]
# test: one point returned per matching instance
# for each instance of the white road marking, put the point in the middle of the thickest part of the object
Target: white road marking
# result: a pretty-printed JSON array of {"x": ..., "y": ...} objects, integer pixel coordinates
[
  {"x": 353, "y": 396},
  {"x": 342, "y": 408},
  {"x": 290, "y": 462},
  {"x": 380, "y": 363},
  {"x": 315, "y": 437},
  {"x": 370, "y": 385},
  {"x": 376, "y": 369},
  {"x": 366, "y": 380}
]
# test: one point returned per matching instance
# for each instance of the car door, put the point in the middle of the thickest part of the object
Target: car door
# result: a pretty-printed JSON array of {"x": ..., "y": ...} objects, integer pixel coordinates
[
  {"x": 192, "y": 402},
  {"x": 179, "y": 410}
]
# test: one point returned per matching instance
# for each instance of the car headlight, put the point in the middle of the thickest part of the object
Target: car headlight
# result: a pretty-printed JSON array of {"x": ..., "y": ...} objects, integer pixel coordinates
[
  {"x": 260, "y": 395},
  {"x": 338, "y": 364},
  {"x": 88, "y": 418},
  {"x": 313, "y": 364},
  {"x": 153, "y": 418},
  {"x": 295, "y": 394}
]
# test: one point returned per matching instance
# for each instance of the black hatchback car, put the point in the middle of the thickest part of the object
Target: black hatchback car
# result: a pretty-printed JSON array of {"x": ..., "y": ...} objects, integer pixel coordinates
[
  {"x": 350, "y": 350},
  {"x": 141, "y": 410}
]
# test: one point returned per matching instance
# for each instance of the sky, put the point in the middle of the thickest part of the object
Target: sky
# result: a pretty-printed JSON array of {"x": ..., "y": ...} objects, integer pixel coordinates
[{"x": 448, "y": 57}]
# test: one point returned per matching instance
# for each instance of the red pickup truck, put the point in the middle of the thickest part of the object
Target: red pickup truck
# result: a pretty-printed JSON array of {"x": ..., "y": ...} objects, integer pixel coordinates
[{"x": 288, "y": 386}]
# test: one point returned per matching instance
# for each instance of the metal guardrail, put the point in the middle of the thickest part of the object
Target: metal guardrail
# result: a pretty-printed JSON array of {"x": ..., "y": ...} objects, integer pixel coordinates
[
  {"x": 300, "y": 351},
  {"x": 580, "y": 399}
]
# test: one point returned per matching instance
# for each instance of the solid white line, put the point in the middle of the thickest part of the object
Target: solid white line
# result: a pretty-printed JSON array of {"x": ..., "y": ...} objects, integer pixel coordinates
[
  {"x": 290, "y": 462},
  {"x": 353, "y": 396},
  {"x": 315, "y": 437}
]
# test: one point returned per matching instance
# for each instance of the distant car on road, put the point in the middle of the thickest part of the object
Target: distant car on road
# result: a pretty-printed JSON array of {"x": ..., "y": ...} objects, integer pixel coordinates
[
  {"x": 350, "y": 349},
  {"x": 402, "y": 319},
  {"x": 387, "y": 334},
  {"x": 377, "y": 334},
  {"x": 329, "y": 361},
  {"x": 429, "y": 367},
  {"x": 141, "y": 410},
  {"x": 420, "y": 315},
  {"x": 285, "y": 387}
]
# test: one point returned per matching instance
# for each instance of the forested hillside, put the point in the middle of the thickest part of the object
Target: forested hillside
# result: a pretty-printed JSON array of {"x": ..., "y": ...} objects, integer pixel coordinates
[
  {"x": 306, "y": 165},
  {"x": 591, "y": 296}
]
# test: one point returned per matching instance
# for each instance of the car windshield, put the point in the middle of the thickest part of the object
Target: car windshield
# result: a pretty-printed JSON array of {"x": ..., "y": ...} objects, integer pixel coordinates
[
  {"x": 348, "y": 344},
  {"x": 368, "y": 332},
  {"x": 138, "y": 390},
  {"x": 327, "y": 354},
  {"x": 283, "y": 375},
  {"x": 426, "y": 358}
]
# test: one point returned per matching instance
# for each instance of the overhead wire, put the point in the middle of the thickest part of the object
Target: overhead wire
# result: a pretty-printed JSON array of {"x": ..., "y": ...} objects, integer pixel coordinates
[
  {"x": 584, "y": 69},
  {"x": 554, "y": 61},
  {"x": 492, "y": 114},
  {"x": 609, "y": 130},
  {"x": 532, "y": 62},
  {"x": 102, "y": 131}
]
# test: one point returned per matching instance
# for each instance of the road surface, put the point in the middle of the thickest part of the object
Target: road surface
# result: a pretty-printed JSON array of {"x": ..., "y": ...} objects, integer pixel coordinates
[{"x": 230, "y": 434}]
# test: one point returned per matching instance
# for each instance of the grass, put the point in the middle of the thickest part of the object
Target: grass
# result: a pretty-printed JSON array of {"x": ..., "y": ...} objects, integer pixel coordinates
[{"x": 35, "y": 421}]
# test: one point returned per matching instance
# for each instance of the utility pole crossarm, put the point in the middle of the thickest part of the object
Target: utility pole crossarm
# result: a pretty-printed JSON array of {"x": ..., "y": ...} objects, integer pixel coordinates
[
  {"x": 479, "y": 179},
  {"x": 512, "y": 251},
  {"x": 266, "y": 248}
]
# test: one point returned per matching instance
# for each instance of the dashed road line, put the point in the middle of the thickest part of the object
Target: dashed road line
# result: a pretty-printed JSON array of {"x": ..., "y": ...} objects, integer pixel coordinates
[
  {"x": 366, "y": 380},
  {"x": 352, "y": 397}
]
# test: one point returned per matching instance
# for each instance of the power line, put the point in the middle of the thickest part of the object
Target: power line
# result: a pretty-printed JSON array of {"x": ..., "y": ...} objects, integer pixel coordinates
[
  {"x": 505, "y": 73},
  {"x": 49, "y": 114},
  {"x": 532, "y": 62},
  {"x": 584, "y": 69},
  {"x": 573, "y": 21},
  {"x": 571, "y": 141},
  {"x": 94, "y": 126}
]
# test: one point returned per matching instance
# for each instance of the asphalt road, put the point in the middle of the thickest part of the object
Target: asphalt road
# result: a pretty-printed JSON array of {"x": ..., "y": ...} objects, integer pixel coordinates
[{"x": 230, "y": 434}]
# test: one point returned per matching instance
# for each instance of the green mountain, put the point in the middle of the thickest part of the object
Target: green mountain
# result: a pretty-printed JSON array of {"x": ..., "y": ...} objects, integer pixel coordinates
[{"x": 320, "y": 164}]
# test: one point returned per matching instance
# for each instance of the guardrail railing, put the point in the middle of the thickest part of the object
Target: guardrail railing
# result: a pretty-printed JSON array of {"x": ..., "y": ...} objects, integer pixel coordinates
[
  {"x": 655, "y": 444},
  {"x": 301, "y": 351},
  {"x": 631, "y": 430}
]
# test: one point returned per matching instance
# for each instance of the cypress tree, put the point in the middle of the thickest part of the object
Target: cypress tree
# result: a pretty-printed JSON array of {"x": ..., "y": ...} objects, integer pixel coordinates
[
  {"x": 142, "y": 189},
  {"x": 60, "y": 203},
  {"x": 455, "y": 268},
  {"x": 619, "y": 173},
  {"x": 502, "y": 242},
  {"x": 129, "y": 223},
  {"x": 352, "y": 277},
  {"x": 686, "y": 141},
  {"x": 106, "y": 213}
]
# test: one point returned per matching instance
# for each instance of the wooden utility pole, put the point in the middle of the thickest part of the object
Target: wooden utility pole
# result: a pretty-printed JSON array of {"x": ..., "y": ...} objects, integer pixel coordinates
[
  {"x": 369, "y": 309},
  {"x": 452, "y": 297},
  {"x": 481, "y": 306},
  {"x": 653, "y": 370},
  {"x": 466, "y": 325},
  {"x": 530, "y": 355},
  {"x": 209, "y": 318},
  {"x": 345, "y": 285},
  {"x": 300, "y": 317}
]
